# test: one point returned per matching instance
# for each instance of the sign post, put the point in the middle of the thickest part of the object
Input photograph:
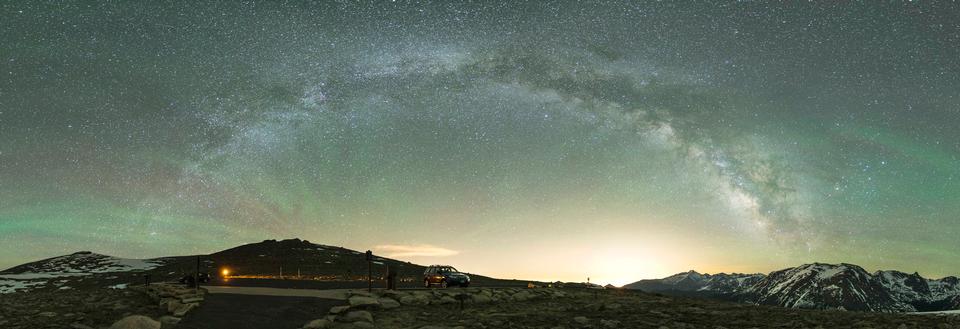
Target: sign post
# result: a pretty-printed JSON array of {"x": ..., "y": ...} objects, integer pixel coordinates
[
  {"x": 196, "y": 278},
  {"x": 369, "y": 271}
]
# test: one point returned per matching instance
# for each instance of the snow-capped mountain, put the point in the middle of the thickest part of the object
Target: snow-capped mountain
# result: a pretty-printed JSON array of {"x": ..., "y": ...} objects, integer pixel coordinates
[
  {"x": 694, "y": 283},
  {"x": 686, "y": 281},
  {"x": 919, "y": 293},
  {"x": 731, "y": 283},
  {"x": 823, "y": 286},
  {"x": 820, "y": 286}
]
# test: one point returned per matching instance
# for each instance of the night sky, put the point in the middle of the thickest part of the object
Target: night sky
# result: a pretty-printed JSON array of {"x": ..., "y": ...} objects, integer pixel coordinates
[{"x": 539, "y": 140}]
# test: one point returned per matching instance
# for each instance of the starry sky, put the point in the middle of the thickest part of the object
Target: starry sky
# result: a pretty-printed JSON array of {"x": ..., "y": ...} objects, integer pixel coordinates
[{"x": 534, "y": 139}]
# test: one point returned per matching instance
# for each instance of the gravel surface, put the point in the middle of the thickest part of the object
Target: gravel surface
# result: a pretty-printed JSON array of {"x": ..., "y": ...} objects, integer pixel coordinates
[{"x": 610, "y": 309}]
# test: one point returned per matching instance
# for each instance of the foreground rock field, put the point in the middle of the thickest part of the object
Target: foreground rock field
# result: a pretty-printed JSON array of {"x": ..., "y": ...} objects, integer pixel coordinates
[
  {"x": 581, "y": 308},
  {"x": 162, "y": 307},
  {"x": 153, "y": 307},
  {"x": 74, "y": 309}
]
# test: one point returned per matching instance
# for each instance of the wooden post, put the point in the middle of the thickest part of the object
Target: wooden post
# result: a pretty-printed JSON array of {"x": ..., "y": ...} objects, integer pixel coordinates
[
  {"x": 369, "y": 271},
  {"x": 196, "y": 279}
]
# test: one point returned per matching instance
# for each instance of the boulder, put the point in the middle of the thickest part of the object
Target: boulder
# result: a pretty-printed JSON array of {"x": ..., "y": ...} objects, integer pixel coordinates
[
  {"x": 523, "y": 296},
  {"x": 415, "y": 299},
  {"x": 446, "y": 300},
  {"x": 47, "y": 314},
  {"x": 184, "y": 309},
  {"x": 173, "y": 306},
  {"x": 339, "y": 309},
  {"x": 169, "y": 320},
  {"x": 388, "y": 303},
  {"x": 481, "y": 298},
  {"x": 195, "y": 299},
  {"x": 581, "y": 320},
  {"x": 317, "y": 324},
  {"x": 78, "y": 326},
  {"x": 162, "y": 292},
  {"x": 358, "y": 316},
  {"x": 360, "y": 293},
  {"x": 362, "y": 325},
  {"x": 610, "y": 323},
  {"x": 136, "y": 322},
  {"x": 166, "y": 301},
  {"x": 392, "y": 294},
  {"x": 363, "y": 302}
]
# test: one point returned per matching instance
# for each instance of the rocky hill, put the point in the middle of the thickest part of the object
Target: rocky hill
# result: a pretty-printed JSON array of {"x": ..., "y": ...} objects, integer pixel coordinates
[
  {"x": 818, "y": 286},
  {"x": 292, "y": 259},
  {"x": 81, "y": 270}
]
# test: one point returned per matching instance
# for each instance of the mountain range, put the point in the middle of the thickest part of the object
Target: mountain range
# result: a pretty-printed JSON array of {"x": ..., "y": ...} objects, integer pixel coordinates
[
  {"x": 299, "y": 263},
  {"x": 817, "y": 286}
]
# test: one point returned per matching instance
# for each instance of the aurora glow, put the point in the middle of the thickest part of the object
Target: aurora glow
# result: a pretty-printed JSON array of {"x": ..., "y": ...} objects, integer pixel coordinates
[{"x": 541, "y": 140}]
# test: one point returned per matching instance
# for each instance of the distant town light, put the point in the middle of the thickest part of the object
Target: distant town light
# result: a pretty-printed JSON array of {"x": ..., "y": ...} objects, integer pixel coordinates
[{"x": 225, "y": 272}]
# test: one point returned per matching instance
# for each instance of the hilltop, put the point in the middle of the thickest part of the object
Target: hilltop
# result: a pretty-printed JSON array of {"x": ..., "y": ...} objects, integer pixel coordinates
[{"x": 290, "y": 263}]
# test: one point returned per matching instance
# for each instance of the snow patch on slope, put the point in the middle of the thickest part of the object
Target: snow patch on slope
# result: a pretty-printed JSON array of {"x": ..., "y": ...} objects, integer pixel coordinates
[
  {"x": 81, "y": 263},
  {"x": 31, "y": 276},
  {"x": 9, "y": 286}
]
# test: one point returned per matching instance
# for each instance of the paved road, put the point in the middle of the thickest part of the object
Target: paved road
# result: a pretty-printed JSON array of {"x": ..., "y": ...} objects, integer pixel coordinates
[
  {"x": 340, "y": 294},
  {"x": 315, "y": 284},
  {"x": 257, "y": 304},
  {"x": 239, "y": 311},
  {"x": 294, "y": 284}
]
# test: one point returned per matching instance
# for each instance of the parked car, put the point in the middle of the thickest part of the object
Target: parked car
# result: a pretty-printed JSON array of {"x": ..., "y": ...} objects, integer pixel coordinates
[{"x": 444, "y": 276}]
